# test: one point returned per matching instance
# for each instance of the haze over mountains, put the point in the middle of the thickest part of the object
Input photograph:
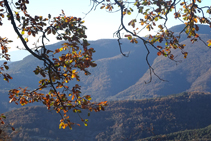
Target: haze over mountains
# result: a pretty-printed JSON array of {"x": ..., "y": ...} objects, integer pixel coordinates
[
  {"x": 121, "y": 81},
  {"x": 119, "y": 78}
]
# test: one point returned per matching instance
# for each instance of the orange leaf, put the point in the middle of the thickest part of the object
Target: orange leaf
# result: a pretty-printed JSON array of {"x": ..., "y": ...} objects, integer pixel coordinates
[
  {"x": 160, "y": 47},
  {"x": 159, "y": 53},
  {"x": 73, "y": 97}
]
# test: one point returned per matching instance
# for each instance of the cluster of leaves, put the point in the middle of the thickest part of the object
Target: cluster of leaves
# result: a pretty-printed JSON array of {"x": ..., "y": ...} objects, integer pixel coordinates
[
  {"x": 56, "y": 72},
  {"x": 4, "y": 54},
  {"x": 154, "y": 15}
]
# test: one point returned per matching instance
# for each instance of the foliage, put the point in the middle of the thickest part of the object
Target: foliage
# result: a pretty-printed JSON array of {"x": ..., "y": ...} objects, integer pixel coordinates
[
  {"x": 122, "y": 120},
  {"x": 154, "y": 15},
  {"x": 187, "y": 135},
  {"x": 56, "y": 72}
]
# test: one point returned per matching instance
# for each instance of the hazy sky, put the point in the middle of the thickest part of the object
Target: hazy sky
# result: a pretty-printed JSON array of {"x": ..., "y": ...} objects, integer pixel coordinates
[{"x": 100, "y": 23}]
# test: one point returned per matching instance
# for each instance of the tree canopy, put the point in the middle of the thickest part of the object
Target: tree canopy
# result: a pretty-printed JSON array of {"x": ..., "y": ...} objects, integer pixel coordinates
[
  {"x": 154, "y": 15},
  {"x": 56, "y": 72},
  {"x": 76, "y": 55}
]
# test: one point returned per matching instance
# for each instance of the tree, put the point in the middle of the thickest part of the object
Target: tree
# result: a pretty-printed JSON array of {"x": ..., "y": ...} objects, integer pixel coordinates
[
  {"x": 154, "y": 15},
  {"x": 56, "y": 72}
]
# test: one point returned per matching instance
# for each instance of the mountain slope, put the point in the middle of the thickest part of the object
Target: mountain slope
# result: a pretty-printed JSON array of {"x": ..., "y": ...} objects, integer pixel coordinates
[
  {"x": 119, "y": 78},
  {"x": 192, "y": 74},
  {"x": 202, "y": 134},
  {"x": 121, "y": 120},
  {"x": 113, "y": 74}
]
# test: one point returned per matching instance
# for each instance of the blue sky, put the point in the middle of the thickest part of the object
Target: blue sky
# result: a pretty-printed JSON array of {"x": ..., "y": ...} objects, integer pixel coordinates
[{"x": 100, "y": 23}]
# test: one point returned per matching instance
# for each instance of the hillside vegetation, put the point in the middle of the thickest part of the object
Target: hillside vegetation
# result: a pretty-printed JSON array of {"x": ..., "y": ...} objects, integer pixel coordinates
[{"x": 122, "y": 120}]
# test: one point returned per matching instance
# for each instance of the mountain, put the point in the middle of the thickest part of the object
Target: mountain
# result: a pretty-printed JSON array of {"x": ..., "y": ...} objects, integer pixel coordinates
[
  {"x": 112, "y": 68},
  {"x": 122, "y": 78},
  {"x": 203, "y": 134},
  {"x": 121, "y": 120},
  {"x": 192, "y": 74},
  {"x": 203, "y": 29}
]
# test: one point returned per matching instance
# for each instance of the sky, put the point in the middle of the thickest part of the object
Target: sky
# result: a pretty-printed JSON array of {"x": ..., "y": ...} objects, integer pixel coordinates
[{"x": 100, "y": 24}]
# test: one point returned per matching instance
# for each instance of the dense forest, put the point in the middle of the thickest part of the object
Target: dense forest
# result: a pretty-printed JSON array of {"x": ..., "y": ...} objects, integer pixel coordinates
[{"x": 172, "y": 117}]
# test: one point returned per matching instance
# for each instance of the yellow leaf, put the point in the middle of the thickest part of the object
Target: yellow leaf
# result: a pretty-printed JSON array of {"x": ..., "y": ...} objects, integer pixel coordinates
[
  {"x": 73, "y": 76},
  {"x": 209, "y": 42},
  {"x": 60, "y": 49},
  {"x": 73, "y": 71},
  {"x": 26, "y": 39},
  {"x": 22, "y": 33},
  {"x": 61, "y": 124}
]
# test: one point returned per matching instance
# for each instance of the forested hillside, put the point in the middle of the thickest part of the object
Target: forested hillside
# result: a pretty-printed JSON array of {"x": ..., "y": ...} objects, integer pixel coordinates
[{"x": 121, "y": 120}]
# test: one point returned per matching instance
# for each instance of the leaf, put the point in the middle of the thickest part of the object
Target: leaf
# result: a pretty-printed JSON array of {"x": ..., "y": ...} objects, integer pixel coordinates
[
  {"x": 185, "y": 54},
  {"x": 195, "y": 20},
  {"x": 159, "y": 53},
  {"x": 61, "y": 124},
  {"x": 6, "y": 67},
  {"x": 88, "y": 97},
  {"x": 26, "y": 39},
  {"x": 23, "y": 32},
  {"x": 13, "y": 129},
  {"x": 3, "y": 116},
  {"x": 49, "y": 31},
  {"x": 160, "y": 47},
  {"x": 209, "y": 42},
  {"x": 73, "y": 97},
  {"x": 197, "y": 27},
  {"x": 128, "y": 12},
  {"x": 85, "y": 124},
  {"x": 102, "y": 7}
]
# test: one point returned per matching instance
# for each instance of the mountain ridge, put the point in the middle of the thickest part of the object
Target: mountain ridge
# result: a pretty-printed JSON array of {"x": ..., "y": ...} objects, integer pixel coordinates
[{"x": 118, "y": 78}]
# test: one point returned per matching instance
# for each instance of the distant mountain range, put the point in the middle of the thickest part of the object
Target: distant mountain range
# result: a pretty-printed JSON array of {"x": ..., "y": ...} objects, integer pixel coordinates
[
  {"x": 118, "y": 78},
  {"x": 121, "y": 81}
]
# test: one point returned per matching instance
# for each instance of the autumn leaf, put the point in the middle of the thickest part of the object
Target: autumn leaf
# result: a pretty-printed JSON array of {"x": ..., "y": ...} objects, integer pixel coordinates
[
  {"x": 102, "y": 7},
  {"x": 159, "y": 53},
  {"x": 160, "y": 47},
  {"x": 23, "y": 32},
  {"x": 185, "y": 54},
  {"x": 209, "y": 42},
  {"x": 128, "y": 12}
]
